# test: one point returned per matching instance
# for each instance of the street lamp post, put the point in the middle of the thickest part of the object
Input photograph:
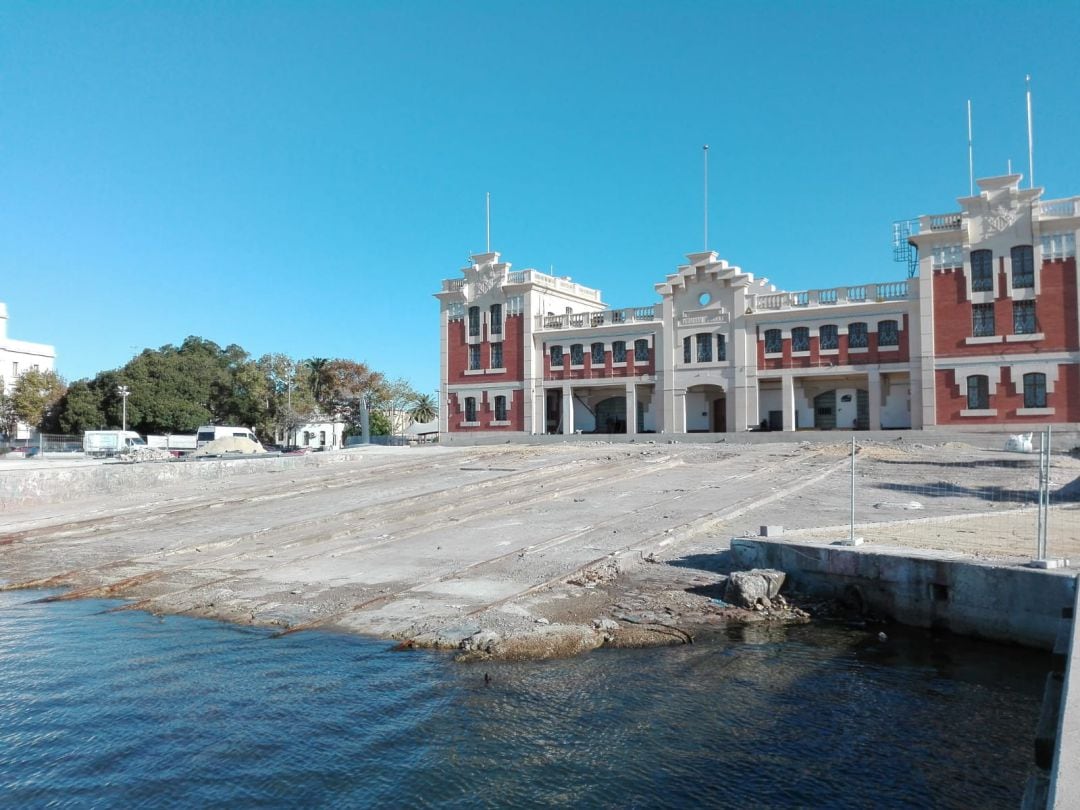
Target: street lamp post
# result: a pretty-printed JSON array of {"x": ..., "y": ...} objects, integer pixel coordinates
[{"x": 124, "y": 393}]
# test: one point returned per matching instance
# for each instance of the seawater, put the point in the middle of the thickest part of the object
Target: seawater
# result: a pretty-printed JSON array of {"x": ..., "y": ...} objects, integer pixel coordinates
[{"x": 100, "y": 708}]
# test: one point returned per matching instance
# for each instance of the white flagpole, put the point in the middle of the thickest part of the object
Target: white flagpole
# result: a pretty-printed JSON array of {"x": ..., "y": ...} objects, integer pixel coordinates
[
  {"x": 705, "y": 150},
  {"x": 487, "y": 219},
  {"x": 1031, "y": 151},
  {"x": 971, "y": 156}
]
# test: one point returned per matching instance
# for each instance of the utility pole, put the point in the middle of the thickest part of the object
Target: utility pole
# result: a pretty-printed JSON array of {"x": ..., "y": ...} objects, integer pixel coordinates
[{"x": 124, "y": 393}]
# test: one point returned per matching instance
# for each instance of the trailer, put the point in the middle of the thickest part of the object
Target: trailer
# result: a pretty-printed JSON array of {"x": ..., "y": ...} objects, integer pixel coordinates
[{"x": 175, "y": 443}]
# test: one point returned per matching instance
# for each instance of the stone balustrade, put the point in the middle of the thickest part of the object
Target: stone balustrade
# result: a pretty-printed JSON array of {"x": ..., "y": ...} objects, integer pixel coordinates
[
  {"x": 592, "y": 320},
  {"x": 858, "y": 294},
  {"x": 1069, "y": 207}
]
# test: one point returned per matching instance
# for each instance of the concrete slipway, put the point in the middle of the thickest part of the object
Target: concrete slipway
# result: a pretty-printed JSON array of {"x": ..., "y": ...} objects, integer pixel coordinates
[{"x": 547, "y": 549}]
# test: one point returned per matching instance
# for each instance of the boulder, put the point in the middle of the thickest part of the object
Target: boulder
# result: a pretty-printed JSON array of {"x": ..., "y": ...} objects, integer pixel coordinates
[{"x": 748, "y": 588}]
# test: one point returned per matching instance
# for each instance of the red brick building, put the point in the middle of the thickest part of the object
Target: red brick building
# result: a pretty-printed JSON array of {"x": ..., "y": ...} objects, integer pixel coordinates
[{"x": 984, "y": 331}]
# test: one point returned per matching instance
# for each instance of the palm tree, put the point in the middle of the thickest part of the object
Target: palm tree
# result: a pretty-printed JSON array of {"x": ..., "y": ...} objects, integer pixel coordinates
[
  {"x": 318, "y": 369},
  {"x": 424, "y": 408}
]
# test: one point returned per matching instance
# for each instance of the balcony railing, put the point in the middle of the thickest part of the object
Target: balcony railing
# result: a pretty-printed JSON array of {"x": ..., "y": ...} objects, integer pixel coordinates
[
  {"x": 607, "y": 317},
  {"x": 700, "y": 316},
  {"x": 1060, "y": 208},
  {"x": 940, "y": 222},
  {"x": 859, "y": 294},
  {"x": 536, "y": 277}
]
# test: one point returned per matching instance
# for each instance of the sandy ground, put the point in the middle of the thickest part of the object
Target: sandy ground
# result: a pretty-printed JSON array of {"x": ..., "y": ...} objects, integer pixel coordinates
[{"x": 517, "y": 550}]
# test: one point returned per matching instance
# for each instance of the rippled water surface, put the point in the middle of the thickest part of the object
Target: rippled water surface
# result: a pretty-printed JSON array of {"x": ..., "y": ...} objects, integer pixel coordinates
[{"x": 125, "y": 709}]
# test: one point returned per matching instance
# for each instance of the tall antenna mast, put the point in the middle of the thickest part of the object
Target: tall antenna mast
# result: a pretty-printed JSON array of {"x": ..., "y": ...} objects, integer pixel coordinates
[
  {"x": 705, "y": 150},
  {"x": 971, "y": 156},
  {"x": 1031, "y": 151},
  {"x": 487, "y": 219}
]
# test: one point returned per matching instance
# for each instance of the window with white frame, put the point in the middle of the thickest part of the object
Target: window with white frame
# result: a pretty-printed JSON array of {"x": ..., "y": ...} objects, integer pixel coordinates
[
  {"x": 828, "y": 336},
  {"x": 774, "y": 341},
  {"x": 556, "y": 356},
  {"x": 1024, "y": 318},
  {"x": 1058, "y": 246},
  {"x": 618, "y": 351},
  {"x": 857, "y": 335},
  {"x": 641, "y": 351},
  {"x": 704, "y": 347},
  {"x": 577, "y": 354},
  {"x": 496, "y": 319},
  {"x": 474, "y": 321},
  {"x": 947, "y": 256},
  {"x": 597, "y": 351},
  {"x": 982, "y": 320},
  {"x": 1035, "y": 390},
  {"x": 470, "y": 409},
  {"x": 496, "y": 355},
  {"x": 978, "y": 392},
  {"x": 687, "y": 349},
  {"x": 982, "y": 271},
  {"x": 14, "y": 368},
  {"x": 800, "y": 339},
  {"x": 1023, "y": 266},
  {"x": 888, "y": 333},
  {"x": 500, "y": 409},
  {"x": 474, "y": 358},
  {"x": 721, "y": 348}
]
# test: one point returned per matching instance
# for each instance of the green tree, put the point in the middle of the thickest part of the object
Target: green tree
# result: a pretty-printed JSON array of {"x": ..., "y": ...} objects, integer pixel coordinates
[
  {"x": 379, "y": 424},
  {"x": 80, "y": 409},
  {"x": 424, "y": 408},
  {"x": 393, "y": 400},
  {"x": 347, "y": 384},
  {"x": 35, "y": 398}
]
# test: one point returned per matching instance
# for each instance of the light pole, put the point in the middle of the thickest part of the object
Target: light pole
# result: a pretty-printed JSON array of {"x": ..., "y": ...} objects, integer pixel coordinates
[{"x": 124, "y": 393}]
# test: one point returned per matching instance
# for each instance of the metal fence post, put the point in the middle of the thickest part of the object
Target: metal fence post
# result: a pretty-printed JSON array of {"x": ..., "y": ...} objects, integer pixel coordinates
[{"x": 851, "y": 535}]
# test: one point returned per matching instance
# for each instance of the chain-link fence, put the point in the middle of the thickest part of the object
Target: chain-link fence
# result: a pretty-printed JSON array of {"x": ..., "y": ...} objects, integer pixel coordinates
[{"x": 1005, "y": 496}]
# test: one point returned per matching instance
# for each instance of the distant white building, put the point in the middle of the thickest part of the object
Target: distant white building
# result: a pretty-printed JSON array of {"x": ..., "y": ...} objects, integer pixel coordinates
[
  {"x": 19, "y": 356},
  {"x": 316, "y": 435}
]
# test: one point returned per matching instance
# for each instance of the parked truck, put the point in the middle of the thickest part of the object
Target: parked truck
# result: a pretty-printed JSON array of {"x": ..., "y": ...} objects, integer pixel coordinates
[{"x": 107, "y": 443}]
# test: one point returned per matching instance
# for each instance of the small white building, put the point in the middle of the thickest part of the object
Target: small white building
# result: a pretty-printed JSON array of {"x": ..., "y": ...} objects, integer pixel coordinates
[
  {"x": 19, "y": 356},
  {"x": 315, "y": 435}
]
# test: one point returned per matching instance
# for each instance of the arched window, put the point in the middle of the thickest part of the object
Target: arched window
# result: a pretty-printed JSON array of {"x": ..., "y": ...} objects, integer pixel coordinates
[
  {"x": 1023, "y": 266},
  {"x": 704, "y": 347},
  {"x": 978, "y": 392},
  {"x": 474, "y": 321},
  {"x": 857, "y": 336},
  {"x": 641, "y": 351},
  {"x": 888, "y": 333},
  {"x": 470, "y": 409},
  {"x": 577, "y": 354},
  {"x": 982, "y": 271},
  {"x": 500, "y": 409},
  {"x": 618, "y": 351},
  {"x": 800, "y": 339},
  {"x": 556, "y": 356},
  {"x": 1035, "y": 390},
  {"x": 774, "y": 343},
  {"x": 828, "y": 336},
  {"x": 598, "y": 354}
]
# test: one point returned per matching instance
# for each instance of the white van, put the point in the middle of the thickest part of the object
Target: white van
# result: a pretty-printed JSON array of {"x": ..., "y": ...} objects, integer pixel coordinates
[
  {"x": 105, "y": 443},
  {"x": 211, "y": 433}
]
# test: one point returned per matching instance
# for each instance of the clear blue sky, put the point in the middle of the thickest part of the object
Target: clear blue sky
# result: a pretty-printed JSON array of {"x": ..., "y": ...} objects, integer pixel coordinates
[{"x": 299, "y": 177}]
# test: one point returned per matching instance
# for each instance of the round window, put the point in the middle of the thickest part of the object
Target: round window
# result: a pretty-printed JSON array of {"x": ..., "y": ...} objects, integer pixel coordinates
[{"x": 704, "y": 299}]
